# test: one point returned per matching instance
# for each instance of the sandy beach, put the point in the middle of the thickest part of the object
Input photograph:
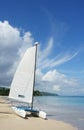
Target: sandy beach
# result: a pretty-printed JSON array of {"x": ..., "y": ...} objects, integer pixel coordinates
[{"x": 10, "y": 121}]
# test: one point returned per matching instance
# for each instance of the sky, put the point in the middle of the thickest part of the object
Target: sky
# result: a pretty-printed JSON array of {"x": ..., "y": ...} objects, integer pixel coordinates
[{"x": 58, "y": 25}]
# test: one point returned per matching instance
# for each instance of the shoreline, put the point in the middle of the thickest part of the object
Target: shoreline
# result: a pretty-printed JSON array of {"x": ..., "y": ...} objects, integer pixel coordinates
[{"x": 9, "y": 120}]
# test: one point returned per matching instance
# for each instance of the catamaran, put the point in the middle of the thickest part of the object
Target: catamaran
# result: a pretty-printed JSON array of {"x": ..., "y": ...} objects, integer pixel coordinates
[{"x": 22, "y": 86}]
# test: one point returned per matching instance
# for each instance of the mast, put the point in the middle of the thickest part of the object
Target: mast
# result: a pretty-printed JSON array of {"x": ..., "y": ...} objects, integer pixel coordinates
[{"x": 36, "y": 44}]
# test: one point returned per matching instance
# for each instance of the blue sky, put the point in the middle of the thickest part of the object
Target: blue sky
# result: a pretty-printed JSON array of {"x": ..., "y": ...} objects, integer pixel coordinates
[{"x": 59, "y": 27}]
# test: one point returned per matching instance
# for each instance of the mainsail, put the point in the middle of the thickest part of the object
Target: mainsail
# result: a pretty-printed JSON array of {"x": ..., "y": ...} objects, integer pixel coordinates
[{"x": 23, "y": 81}]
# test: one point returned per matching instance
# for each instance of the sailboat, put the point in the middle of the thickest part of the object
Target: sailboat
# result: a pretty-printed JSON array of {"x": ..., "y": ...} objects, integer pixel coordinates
[{"x": 22, "y": 86}]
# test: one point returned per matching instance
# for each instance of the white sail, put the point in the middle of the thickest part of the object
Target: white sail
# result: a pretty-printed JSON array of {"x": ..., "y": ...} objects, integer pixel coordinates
[{"x": 23, "y": 81}]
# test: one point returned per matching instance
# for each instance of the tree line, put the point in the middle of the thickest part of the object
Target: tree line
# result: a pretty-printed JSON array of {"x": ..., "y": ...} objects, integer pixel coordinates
[{"x": 5, "y": 92}]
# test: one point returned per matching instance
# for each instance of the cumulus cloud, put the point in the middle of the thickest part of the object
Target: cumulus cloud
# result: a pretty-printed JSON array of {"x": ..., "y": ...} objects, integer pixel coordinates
[
  {"x": 59, "y": 78},
  {"x": 27, "y": 41},
  {"x": 9, "y": 36},
  {"x": 55, "y": 81},
  {"x": 56, "y": 88},
  {"x": 12, "y": 47}
]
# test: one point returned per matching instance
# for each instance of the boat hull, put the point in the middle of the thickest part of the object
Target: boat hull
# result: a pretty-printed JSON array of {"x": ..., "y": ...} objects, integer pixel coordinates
[
  {"x": 20, "y": 112},
  {"x": 42, "y": 114},
  {"x": 23, "y": 112}
]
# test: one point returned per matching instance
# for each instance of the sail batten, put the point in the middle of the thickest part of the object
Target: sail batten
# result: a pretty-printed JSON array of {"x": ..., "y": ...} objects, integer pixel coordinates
[{"x": 23, "y": 81}]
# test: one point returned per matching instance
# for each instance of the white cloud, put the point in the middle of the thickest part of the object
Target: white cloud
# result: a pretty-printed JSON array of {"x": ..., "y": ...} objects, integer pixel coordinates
[
  {"x": 56, "y": 88},
  {"x": 9, "y": 36},
  {"x": 39, "y": 76},
  {"x": 27, "y": 38},
  {"x": 50, "y": 76},
  {"x": 62, "y": 59},
  {"x": 44, "y": 54},
  {"x": 12, "y": 46},
  {"x": 57, "y": 78},
  {"x": 45, "y": 61},
  {"x": 27, "y": 41},
  {"x": 55, "y": 81}
]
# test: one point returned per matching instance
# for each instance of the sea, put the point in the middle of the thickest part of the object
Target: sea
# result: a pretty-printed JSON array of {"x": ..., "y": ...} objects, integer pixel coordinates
[{"x": 69, "y": 109}]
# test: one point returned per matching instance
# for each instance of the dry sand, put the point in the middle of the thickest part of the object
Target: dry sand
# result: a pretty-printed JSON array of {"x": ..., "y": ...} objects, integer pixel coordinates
[{"x": 10, "y": 121}]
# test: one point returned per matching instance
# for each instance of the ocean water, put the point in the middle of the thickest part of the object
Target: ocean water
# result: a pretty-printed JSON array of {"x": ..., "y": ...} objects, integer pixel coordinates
[{"x": 64, "y": 108}]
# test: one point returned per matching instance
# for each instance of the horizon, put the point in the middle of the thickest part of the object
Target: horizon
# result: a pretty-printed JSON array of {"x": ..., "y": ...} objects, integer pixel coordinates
[{"x": 59, "y": 27}]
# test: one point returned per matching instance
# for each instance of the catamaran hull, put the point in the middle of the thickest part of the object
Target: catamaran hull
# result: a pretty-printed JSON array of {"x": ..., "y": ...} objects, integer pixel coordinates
[
  {"x": 35, "y": 112},
  {"x": 19, "y": 112},
  {"x": 23, "y": 112},
  {"x": 42, "y": 114}
]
